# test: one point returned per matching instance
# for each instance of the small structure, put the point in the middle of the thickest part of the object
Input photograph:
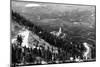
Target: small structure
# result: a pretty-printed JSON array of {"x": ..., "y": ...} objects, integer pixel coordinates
[{"x": 57, "y": 33}]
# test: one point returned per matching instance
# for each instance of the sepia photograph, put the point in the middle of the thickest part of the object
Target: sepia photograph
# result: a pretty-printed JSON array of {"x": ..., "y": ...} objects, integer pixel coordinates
[{"x": 43, "y": 33}]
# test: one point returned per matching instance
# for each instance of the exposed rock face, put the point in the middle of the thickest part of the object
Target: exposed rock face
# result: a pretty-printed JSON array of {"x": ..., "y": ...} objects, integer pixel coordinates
[{"x": 87, "y": 53}]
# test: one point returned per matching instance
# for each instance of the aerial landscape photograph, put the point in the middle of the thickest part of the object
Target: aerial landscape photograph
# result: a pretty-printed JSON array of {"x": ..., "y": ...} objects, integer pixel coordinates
[{"x": 51, "y": 33}]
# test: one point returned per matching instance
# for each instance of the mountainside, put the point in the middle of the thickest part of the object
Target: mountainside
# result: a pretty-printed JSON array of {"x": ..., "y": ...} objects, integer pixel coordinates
[{"x": 41, "y": 45}]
